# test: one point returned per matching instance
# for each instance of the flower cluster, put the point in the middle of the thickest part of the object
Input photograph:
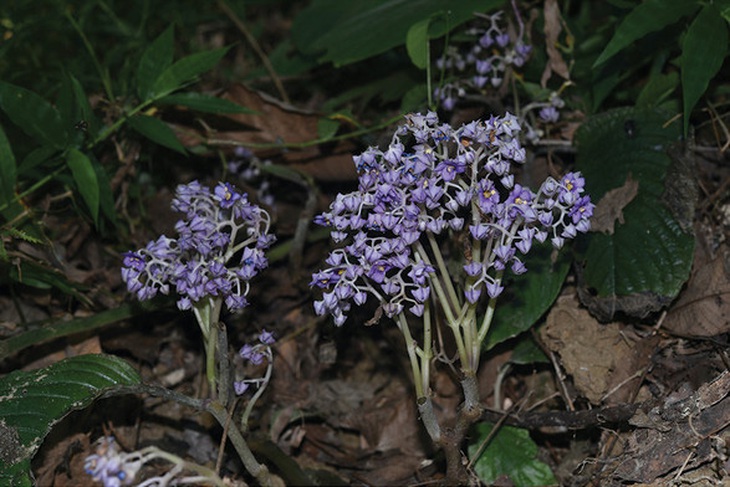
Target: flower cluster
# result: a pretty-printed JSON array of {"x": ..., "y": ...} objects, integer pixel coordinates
[
  {"x": 115, "y": 468},
  {"x": 256, "y": 354},
  {"x": 431, "y": 183},
  {"x": 219, "y": 228},
  {"x": 484, "y": 64},
  {"x": 109, "y": 465},
  {"x": 248, "y": 167}
]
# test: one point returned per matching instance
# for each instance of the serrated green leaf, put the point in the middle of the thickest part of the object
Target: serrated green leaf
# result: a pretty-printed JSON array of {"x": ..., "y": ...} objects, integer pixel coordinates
[
  {"x": 184, "y": 71},
  {"x": 649, "y": 252},
  {"x": 346, "y": 32},
  {"x": 204, "y": 103},
  {"x": 31, "y": 403},
  {"x": 649, "y": 16},
  {"x": 512, "y": 453},
  {"x": 157, "y": 131},
  {"x": 703, "y": 50},
  {"x": 84, "y": 176},
  {"x": 33, "y": 115},
  {"x": 417, "y": 43},
  {"x": 154, "y": 61},
  {"x": 529, "y": 295}
]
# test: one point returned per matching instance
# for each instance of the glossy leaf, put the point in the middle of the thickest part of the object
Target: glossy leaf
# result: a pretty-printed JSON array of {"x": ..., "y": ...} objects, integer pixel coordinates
[
  {"x": 528, "y": 296},
  {"x": 511, "y": 453},
  {"x": 184, "y": 71},
  {"x": 417, "y": 43},
  {"x": 34, "y": 115},
  {"x": 346, "y": 32},
  {"x": 31, "y": 403},
  {"x": 204, "y": 103},
  {"x": 649, "y": 254},
  {"x": 154, "y": 61},
  {"x": 648, "y": 16},
  {"x": 87, "y": 184},
  {"x": 157, "y": 131},
  {"x": 703, "y": 50}
]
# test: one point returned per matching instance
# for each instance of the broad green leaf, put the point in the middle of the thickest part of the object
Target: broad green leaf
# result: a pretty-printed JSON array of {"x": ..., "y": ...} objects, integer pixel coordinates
[
  {"x": 106, "y": 195},
  {"x": 35, "y": 158},
  {"x": 184, "y": 71},
  {"x": 154, "y": 61},
  {"x": 649, "y": 16},
  {"x": 8, "y": 169},
  {"x": 527, "y": 352},
  {"x": 528, "y": 296},
  {"x": 157, "y": 131},
  {"x": 346, "y": 32},
  {"x": 327, "y": 128},
  {"x": 86, "y": 113},
  {"x": 34, "y": 115},
  {"x": 703, "y": 50},
  {"x": 44, "y": 331},
  {"x": 35, "y": 274},
  {"x": 31, "y": 403},
  {"x": 659, "y": 87},
  {"x": 417, "y": 43},
  {"x": 204, "y": 103},
  {"x": 84, "y": 176},
  {"x": 512, "y": 453},
  {"x": 649, "y": 255}
]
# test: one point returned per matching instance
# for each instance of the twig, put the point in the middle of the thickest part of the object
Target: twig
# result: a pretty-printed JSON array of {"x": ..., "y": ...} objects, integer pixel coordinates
[{"x": 256, "y": 47}]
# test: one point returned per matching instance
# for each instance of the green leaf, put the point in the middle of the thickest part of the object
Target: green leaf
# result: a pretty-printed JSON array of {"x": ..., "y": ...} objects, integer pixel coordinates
[
  {"x": 649, "y": 254},
  {"x": 31, "y": 403},
  {"x": 703, "y": 50},
  {"x": 512, "y": 453},
  {"x": 154, "y": 61},
  {"x": 8, "y": 169},
  {"x": 526, "y": 352},
  {"x": 34, "y": 115},
  {"x": 44, "y": 332},
  {"x": 528, "y": 296},
  {"x": 86, "y": 113},
  {"x": 184, "y": 71},
  {"x": 157, "y": 131},
  {"x": 346, "y": 32},
  {"x": 659, "y": 87},
  {"x": 327, "y": 128},
  {"x": 649, "y": 16},
  {"x": 87, "y": 184},
  {"x": 417, "y": 43},
  {"x": 204, "y": 103}
]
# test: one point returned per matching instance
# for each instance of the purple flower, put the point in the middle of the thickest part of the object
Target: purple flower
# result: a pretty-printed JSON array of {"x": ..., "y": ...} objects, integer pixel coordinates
[
  {"x": 198, "y": 263},
  {"x": 413, "y": 197}
]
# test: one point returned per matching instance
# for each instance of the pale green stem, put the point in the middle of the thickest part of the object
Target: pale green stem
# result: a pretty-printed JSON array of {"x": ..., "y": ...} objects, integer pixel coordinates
[
  {"x": 488, "y": 316},
  {"x": 436, "y": 283},
  {"x": 427, "y": 353},
  {"x": 257, "y": 395},
  {"x": 412, "y": 354},
  {"x": 444, "y": 271}
]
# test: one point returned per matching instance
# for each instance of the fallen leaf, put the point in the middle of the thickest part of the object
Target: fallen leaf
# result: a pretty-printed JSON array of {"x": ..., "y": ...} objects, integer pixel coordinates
[
  {"x": 703, "y": 308},
  {"x": 610, "y": 207},
  {"x": 553, "y": 28}
]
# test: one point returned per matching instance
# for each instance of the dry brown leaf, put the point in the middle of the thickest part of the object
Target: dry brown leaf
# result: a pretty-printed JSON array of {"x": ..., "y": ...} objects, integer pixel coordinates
[
  {"x": 610, "y": 207},
  {"x": 703, "y": 308},
  {"x": 277, "y": 124},
  {"x": 553, "y": 27},
  {"x": 600, "y": 358}
]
